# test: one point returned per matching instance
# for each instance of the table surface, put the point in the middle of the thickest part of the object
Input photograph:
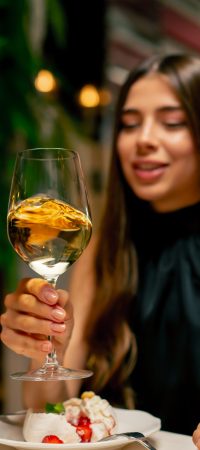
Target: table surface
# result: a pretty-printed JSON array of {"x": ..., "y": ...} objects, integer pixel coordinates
[{"x": 161, "y": 440}]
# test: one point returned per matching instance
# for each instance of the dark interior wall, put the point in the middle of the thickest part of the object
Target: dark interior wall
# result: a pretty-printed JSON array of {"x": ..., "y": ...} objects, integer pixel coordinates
[{"x": 80, "y": 61}]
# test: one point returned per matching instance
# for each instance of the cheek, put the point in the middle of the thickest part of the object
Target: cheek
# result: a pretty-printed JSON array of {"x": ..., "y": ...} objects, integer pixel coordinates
[
  {"x": 181, "y": 146},
  {"x": 185, "y": 162}
]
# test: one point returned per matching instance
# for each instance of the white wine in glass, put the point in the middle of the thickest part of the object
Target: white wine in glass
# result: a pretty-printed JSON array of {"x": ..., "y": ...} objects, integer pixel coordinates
[{"x": 49, "y": 226}]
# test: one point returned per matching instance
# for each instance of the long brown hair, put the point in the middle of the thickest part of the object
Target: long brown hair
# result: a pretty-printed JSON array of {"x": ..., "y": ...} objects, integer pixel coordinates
[{"x": 116, "y": 259}]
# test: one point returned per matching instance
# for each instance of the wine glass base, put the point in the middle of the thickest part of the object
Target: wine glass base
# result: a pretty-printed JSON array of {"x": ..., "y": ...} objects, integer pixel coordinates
[{"x": 51, "y": 373}]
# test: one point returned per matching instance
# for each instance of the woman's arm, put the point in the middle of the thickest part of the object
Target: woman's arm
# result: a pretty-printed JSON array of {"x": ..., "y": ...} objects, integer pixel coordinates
[{"x": 81, "y": 291}]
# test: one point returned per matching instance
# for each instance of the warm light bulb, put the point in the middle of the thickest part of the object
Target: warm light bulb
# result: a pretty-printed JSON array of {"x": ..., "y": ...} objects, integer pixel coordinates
[
  {"x": 89, "y": 96},
  {"x": 45, "y": 81}
]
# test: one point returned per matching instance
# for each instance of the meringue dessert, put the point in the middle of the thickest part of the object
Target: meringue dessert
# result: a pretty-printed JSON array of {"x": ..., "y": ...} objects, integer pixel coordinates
[{"x": 85, "y": 419}]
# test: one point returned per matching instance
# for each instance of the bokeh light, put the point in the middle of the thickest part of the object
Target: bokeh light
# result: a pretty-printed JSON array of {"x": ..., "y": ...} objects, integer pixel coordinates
[
  {"x": 45, "y": 81},
  {"x": 89, "y": 96}
]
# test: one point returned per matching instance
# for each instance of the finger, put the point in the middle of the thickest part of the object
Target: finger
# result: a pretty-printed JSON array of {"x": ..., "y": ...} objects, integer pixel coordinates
[
  {"x": 65, "y": 303},
  {"x": 44, "y": 291},
  {"x": 39, "y": 288},
  {"x": 31, "y": 324},
  {"x": 63, "y": 297},
  {"x": 26, "y": 345},
  {"x": 29, "y": 304},
  {"x": 69, "y": 314}
]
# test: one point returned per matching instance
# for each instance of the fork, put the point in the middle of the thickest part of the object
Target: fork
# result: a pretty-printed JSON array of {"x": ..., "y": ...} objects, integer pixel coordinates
[{"x": 132, "y": 436}]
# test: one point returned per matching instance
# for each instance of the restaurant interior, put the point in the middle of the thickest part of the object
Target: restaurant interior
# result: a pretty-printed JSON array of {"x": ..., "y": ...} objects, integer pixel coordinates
[{"x": 62, "y": 63}]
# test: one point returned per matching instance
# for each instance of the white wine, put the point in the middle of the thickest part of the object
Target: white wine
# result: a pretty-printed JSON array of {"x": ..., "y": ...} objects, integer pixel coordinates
[{"x": 48, "y": 234}]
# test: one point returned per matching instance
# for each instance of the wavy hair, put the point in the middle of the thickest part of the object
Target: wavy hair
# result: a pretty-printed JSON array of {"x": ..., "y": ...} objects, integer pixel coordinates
[{"x": 111, "y": 342}]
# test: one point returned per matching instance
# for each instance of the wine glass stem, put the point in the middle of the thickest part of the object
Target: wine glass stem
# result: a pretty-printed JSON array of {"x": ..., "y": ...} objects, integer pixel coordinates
[{"x": 51, "y": 358}]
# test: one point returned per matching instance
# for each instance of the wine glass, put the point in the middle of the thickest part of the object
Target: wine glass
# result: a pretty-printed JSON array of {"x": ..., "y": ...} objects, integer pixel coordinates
[{"x": 49, "y": 226}]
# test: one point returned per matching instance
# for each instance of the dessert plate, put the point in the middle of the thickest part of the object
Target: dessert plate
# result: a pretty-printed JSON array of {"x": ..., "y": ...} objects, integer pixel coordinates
[{"x": 128, "y": 420}]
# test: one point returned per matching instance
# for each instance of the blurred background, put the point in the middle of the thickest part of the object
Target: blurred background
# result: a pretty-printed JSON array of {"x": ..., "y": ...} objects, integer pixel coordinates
[{"x": 61, "y": 65}]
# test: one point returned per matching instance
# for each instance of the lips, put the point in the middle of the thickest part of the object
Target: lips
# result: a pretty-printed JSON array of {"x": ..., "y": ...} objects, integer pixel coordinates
[{"x": 149, "y": 170}]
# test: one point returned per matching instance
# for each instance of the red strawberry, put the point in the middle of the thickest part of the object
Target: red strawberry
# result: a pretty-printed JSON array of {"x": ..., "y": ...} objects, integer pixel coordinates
[
  {"x": 83, "y": 421},
  {"x": 84, "y": 432},
  {"x": 52, "y": 439}
]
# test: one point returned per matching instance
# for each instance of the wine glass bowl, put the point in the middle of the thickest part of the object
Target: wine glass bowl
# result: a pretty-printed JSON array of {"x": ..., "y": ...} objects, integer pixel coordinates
[{"x": 49, "y": 226}]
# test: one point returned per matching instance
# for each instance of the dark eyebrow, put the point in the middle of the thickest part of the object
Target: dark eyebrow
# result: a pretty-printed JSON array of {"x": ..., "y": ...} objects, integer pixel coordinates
[
  {"x": 166, "y": 108},
  {"x": 129, "y": 111},
  {"x": 170, "y": 108}
]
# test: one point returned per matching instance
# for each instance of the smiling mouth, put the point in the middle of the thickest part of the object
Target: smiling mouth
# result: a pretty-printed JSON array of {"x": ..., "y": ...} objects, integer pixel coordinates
[
  {"x": 149, "y": 172},
  {"x": 149, "y": 166}
]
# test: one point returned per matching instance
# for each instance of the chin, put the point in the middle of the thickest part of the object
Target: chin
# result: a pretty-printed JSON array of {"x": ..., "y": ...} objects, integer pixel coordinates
[{"x": 147, "y": 195}]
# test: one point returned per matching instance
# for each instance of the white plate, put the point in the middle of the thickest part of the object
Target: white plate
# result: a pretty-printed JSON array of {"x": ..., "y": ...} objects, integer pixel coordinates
[{"x": 128, "y": 420}]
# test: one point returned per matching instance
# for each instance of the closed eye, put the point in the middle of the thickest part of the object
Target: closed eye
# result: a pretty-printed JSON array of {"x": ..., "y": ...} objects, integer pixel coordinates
[
  {"x": 175, "y": 125},
  {"x": 129, "y": 126},
  {"x": 130, "y": 119}
]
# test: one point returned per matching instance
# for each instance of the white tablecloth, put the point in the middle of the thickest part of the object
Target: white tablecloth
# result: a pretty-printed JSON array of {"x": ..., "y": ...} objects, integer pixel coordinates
[{"x": 163, "y": 440}]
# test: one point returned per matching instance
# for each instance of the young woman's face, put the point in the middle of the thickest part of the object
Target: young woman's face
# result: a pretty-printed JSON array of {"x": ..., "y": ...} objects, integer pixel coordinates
[{"x": 157, "y": 152}]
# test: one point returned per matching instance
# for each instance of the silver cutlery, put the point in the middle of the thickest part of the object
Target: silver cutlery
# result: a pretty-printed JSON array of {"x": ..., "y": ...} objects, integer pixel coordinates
[{"x": 132, "y": 436}]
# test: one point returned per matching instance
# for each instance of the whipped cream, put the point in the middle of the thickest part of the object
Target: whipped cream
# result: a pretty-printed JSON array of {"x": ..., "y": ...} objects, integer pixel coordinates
[
  {"x": 38, "y": 425},
  {"x": 66, "y": 426},
  {"x": 98, "y": 410}
]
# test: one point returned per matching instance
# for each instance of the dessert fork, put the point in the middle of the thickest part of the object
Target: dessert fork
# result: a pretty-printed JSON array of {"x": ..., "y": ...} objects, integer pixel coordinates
[{"x": 132, "y": 436}]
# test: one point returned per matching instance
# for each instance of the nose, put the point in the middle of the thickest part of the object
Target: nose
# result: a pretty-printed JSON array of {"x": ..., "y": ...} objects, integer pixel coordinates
[{"x": 147, "y": 138}]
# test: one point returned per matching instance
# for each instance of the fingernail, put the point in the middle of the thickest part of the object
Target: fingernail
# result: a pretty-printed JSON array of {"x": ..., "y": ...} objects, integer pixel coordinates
[
  {"x": 60, "y": 327},
  {"x": 58, "y": 313},
  {"x": 49, "y": 294}
]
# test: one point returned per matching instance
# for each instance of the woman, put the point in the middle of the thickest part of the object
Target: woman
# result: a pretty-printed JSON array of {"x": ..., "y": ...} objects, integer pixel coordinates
[{"x": 135, "y": 290}]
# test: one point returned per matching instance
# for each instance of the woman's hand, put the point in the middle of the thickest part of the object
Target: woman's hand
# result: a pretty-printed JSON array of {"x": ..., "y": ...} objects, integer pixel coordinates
[
  {"x": 196, "y": 437},
  {"x": 33, "y": 312}
]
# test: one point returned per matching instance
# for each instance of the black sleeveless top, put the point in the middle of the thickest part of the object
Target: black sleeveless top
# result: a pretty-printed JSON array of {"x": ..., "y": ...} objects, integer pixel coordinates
[{"x": 166, "y": 316}]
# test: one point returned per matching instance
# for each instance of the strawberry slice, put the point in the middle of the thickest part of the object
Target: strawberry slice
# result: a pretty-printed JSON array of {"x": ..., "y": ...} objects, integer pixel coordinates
[
  {"x": 84, "y": 432},
  {"x": 52, "y": 439},
  {"x": 83, "y": 421}
]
